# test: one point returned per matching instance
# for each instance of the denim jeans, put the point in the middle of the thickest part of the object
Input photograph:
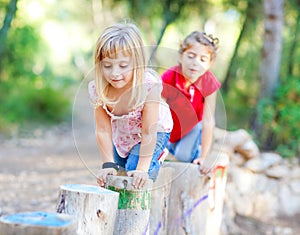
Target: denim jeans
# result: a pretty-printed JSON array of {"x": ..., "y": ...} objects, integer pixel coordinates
[
  {"x": 131, "y": 161},
  {"x": 188, "y": 148}
]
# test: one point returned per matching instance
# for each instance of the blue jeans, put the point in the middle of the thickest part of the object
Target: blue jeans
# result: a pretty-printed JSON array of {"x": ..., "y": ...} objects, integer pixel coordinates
[
  {"x": 188, "y": 148},
  {"x": 131, "y": 161}
]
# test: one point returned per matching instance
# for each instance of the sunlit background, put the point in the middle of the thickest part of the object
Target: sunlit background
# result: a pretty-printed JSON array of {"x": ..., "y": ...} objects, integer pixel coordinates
[{"x": 49, "y": 49}]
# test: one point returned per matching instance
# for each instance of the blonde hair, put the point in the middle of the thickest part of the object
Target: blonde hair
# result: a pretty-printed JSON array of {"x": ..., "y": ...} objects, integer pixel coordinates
[
  {"x": 202, "y": 38},
  {"x": 125, "y": 38}
]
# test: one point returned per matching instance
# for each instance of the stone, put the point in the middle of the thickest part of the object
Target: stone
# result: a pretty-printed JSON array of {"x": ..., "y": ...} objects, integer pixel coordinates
[
  {"x": 279, "y": 171},
  {"x": 295, "y": 186},
  {"x": 289, "y": 202}
]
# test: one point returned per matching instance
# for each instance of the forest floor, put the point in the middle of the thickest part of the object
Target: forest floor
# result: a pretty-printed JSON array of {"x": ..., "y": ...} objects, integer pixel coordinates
[{"x": 34, "y": 166}]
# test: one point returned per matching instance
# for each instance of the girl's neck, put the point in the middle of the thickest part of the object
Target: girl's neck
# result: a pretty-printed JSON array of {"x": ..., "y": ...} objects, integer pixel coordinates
[{"x": 187, "y": 84}]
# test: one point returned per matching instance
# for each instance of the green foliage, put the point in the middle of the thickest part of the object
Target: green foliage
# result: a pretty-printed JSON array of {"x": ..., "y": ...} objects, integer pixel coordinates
[
  {"x": 25, "y": 102},
  {"x": 29, "y": 91},
  {"x": 280, "y": 116}
]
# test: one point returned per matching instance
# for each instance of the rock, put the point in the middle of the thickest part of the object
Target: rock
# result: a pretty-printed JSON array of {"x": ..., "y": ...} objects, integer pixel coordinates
[
  {"x": 249, "y": 149},
  {"x": 289, "y": 201},
  {"x": 271, "y": 159},
  {"x": 238, "y": 159},
  {"x": 256, "y": 165},
  {"x": 265, "y": 161},
  {"x": 295, "y": 187},
  {"x": 295, "y": 173},
  {"x": 243, "y": 179},
  {"x": 265, "y": 205},
  {"x": 280, "y": 171}
]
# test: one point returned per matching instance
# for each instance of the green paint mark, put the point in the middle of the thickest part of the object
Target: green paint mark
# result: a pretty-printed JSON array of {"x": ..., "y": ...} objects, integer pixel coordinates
[
  {"x": 140, "y": 200},
  {"x": 220, "y": 172}
]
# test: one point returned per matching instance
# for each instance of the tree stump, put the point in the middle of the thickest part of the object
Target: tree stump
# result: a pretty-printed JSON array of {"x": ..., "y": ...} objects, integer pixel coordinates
[
  {"x": 37, "y": 223},
  {"x": 133, "y": 216},
  {"x": 188, "y": 204},
  {"x": 216, "y": 193},
  {"x": 94, "y": 207},
  {"x": 160, "y": 201}
]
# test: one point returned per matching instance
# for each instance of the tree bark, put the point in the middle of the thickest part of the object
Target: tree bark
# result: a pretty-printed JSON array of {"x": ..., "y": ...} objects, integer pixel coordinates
[
  {"x": 291, "y": 61},
  {"x": 270, "y": 64},
  {"x": 272, "y": 47},
  {"x": 133, "y": 214},
  {"x": 94, "y": 207},
  {"x": 188, "y": 204},
  {"x": 229, "y": 74},
  {"x": 10, "y": 13},
  {"x": 160, "y": 197}
]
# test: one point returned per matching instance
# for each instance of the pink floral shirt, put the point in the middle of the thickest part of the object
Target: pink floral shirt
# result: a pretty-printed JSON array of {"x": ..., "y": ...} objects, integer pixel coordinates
[{"x": 127, "y": 129}]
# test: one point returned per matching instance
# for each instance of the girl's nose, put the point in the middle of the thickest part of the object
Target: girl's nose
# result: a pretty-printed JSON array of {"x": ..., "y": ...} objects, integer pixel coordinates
[{"x": 115, "y": 71}]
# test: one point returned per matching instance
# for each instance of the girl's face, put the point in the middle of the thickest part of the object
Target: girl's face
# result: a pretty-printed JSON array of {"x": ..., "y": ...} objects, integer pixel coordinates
[
  {"x": 118, "y": 72},
  {"x": 195, "y": 61}
]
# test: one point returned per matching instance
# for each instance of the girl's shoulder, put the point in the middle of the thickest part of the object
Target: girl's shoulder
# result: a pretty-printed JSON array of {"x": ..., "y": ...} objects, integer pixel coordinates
[
  {"x": 152, "y": 76},
  {"x": 152, "y": 79},
  {"x": 170, "y": 75},
  {"x": 94, "y": 98}
]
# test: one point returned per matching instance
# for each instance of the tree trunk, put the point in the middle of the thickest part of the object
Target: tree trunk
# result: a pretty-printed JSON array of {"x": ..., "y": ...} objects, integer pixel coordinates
[
  {"x": 272, "y": 46},
  {"x": 229, "y": 74},
  {"x": 188, "y": 204},
  {"x": 37, "y": 223},
  {"x": 10, "y": 13},
  {"x": 160, "y": 201},
  {"x": 296, "y": 38},
  {"x": 94, "y": 207},
  {"x": 133, "y": 214}
]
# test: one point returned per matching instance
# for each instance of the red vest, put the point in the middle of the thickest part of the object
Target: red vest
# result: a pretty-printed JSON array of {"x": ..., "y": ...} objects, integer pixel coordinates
[{"x": 186, "y": 104}]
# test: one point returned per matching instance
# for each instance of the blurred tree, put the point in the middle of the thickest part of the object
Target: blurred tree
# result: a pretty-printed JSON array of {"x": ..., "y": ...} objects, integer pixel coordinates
[
  {"x": 10, "y": 13},
  {"x": 270, "y": 63},
  {"x": 163, "y": 13},
  {"x": 296, "y": 37},
  {"x": 249, "y": 11}
]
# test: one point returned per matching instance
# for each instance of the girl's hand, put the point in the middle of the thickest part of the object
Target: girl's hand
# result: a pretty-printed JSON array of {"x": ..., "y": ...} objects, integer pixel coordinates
[
  {"x": 139, "y": 178},
  {"x": 204, "y": 169},
  {"x": 101, "y": 176}
]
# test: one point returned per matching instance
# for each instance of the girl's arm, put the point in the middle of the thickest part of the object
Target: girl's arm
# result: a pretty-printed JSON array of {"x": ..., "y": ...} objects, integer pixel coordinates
[
  {"x": 208, "y": 125},
  {"x": 104, "y": 141},
  {"x": 149, "y": 136}
]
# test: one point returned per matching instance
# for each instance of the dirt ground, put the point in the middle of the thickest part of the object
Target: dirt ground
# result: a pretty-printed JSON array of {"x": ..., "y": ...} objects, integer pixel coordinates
[{"x": 33, "y": 168}]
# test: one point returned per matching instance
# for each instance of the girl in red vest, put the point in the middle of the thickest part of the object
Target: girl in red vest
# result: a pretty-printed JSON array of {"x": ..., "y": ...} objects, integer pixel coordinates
[{"x": 190, "y": 89}]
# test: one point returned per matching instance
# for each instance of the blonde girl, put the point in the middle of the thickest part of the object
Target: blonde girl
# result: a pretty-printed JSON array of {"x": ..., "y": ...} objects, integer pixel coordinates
[{"x": 133, "y": 123}]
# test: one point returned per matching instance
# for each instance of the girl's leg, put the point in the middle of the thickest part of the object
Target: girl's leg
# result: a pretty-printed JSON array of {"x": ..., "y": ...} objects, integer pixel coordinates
[
  {"x": 133, "y": 157},
  {"x": 119, "y": 160},
  {"x": 188, "y": 148}
]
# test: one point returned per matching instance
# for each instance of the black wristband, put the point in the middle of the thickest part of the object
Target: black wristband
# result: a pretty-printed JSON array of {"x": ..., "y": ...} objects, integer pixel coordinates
[{"x": 110, "y": 165}]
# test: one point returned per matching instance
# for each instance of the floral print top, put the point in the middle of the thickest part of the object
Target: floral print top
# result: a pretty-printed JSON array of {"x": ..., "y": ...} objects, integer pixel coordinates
[{"x": 127, "y": 129}]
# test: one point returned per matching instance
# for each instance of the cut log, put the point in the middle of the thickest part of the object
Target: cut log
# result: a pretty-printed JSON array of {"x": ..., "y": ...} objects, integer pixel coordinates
[
  {"x": 160, "y": 201},
  {"x": 94, "y": 207},
  {"x": 188, "y": 204},
  {"x": 37, "y": 223},
  {"x": 133, "y": 216}
]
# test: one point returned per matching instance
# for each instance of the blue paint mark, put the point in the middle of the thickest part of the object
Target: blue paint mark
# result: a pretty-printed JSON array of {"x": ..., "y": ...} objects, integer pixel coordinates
[
  {"x": 157, "y": 228},
  {"x": 39, "y": 218},
  {"x": 147, "y": 227},
  {"x": 87, "y": 188},
  {"x": 189, "y": 211}
]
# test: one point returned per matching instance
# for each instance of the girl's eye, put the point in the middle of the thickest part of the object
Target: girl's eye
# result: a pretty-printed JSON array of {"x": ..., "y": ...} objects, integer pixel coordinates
[
  {"x": 204, "y": 59},
  {"x": 123, "y": 66},
  {"x": 107, "y": 66},
  {"x": 191, "y": 55}
]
